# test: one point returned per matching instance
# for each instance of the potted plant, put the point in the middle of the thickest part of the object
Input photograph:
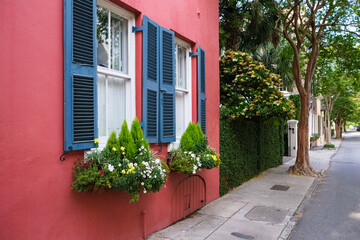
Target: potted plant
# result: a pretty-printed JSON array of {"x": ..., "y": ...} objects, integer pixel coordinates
[
  {"x": 125, "y": 164},
  {"x": 193, "y": 153}
]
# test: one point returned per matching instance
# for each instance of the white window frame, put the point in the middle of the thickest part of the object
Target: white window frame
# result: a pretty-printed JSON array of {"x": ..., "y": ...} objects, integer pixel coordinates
[
  {"x": 187, "y": 90},
  {"x": 130, "y": 98}
]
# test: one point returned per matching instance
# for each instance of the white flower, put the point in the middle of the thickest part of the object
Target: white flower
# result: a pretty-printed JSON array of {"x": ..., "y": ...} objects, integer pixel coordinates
[
  {"x": 193, "y": 155},
  {"x": 155, "y": 176},
  {"x": 140, "y": 153},
  {"x": 119, "y": 165},
  {"x": 142, "y": 184},
  {"x": 142, "y": 147},
  {"x": 111, "y": 167},
  {"x": 144, "y": 190},
  {"x": 157, "y": 161},
  {"x": 135, "y": 164}
]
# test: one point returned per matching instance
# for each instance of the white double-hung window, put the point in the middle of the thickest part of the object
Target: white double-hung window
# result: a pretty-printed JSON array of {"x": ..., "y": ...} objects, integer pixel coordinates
[
  {"x": 182, "y": 87},
  {"x": 115, "y": 70}
]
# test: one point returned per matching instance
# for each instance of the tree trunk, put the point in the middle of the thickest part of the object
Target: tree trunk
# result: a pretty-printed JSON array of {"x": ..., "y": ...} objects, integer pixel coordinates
[
  {"x": 338, "y": 128},
  {"x": 327, "y": 127},
  {"x": 302, "y": 164}
]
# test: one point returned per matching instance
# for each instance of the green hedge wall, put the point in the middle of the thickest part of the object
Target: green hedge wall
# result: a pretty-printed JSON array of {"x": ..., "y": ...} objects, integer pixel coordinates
[{"x": 248, "y": 147}]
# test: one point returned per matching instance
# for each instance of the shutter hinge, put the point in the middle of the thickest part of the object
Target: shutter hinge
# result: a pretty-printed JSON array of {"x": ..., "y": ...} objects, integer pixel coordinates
[{"x": 140, "y": 28}]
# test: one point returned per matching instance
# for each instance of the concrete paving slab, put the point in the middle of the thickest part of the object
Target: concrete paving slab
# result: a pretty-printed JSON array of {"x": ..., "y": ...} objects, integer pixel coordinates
[
  {"x": 257, "y": 230},
  {"x": 222, "y": 207},
  {"x": 201, "y": 227},
  {"x": 267, "y": 214}
]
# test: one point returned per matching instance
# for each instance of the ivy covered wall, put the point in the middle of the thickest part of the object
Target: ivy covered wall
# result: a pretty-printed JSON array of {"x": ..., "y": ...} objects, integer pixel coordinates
[{"x": 248, "y": 147}]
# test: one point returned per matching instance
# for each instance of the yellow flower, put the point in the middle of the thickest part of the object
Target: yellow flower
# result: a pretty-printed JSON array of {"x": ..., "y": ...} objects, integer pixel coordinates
[
  {"x": 96, "y": 140},
  {"x": 130, "y": 165},
  {"x": 122, "y": 148},
  {"x": 123, "y": 171},
  {"x": 95, "y": 151},
  {"x": 114, "y": 149}
]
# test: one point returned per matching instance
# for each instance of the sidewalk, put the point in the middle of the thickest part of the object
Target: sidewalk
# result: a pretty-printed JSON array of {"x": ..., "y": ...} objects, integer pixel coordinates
[{"x": 262, "y": 208}]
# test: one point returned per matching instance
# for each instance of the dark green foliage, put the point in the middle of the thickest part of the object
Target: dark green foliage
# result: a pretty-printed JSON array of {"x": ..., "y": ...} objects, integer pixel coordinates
[
  {"x": 201, "y": 146},
  {"x": 127, "y": 141},
  {"x": 269, "y": 144},
  {"x": 138, "y": 135},
  {"x": 248, "y": 148},
  {"x": 112, "y": 145},
  {"x": 329, "y": 146},
  {"x": 295, "y": 98}
]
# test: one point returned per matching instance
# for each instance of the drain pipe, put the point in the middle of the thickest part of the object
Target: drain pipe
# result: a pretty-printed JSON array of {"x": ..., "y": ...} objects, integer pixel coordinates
[{"x": 144, "y": 212}]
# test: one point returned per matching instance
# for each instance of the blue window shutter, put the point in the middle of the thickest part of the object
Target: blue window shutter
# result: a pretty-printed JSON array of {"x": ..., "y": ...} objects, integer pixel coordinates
[
  {"x": 201, "y": 90},
  {"x": 167, "y": 85},
  {"x": 80, "y": 95},
  {"x": 151, "y": 61}
]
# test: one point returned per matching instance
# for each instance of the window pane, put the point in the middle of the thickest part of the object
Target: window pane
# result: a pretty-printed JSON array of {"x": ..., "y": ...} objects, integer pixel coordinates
[
  {"x": 102, "y": 34},
  {"x": 101, "y": 83},
  {"x": 118, "y": 43},
  {"x": 180, "y": 113},
  {"x": 116, "y": 100},
  {"x": 181, "y": 67}
]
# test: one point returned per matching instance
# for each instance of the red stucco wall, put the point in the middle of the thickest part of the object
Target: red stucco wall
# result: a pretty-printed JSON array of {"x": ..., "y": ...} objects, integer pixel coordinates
[{"x": 36, "y": 201}]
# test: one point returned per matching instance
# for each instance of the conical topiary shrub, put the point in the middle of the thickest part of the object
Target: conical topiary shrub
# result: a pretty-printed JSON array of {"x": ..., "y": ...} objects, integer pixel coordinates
[
  {"x": 126, "y": 142},
  {"x": 112, "y": 145},
  {"x": 138, "y": 135}
]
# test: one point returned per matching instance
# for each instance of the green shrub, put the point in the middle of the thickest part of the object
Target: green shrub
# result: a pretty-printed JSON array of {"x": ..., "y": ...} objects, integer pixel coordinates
[
  {"x": 314, "y": 136},
  {"x": 188, "y": 137},
  {"x": 329, "y": 146},
  {"x": 127, "y": 146},
  {"x": 249, "y": 90},
  {"x": 332, "y": 132},
  {"x": 193, "y": 152},
  {"x": 138, "y": 135}
]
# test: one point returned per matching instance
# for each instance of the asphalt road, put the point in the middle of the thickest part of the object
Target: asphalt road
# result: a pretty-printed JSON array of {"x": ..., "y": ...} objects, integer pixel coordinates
[{"x": 334, "y": 210}]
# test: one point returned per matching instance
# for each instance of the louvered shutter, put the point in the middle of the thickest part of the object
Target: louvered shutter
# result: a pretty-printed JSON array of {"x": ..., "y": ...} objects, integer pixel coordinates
[
  {"x": 150, "y": 79},
  {"x": 80, "y": 101},
  {"x": 201, "y": 90},
  {"x": 167, "y": 85}
]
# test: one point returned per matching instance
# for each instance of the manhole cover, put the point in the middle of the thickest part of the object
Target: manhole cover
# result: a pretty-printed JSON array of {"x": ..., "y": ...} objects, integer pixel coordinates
[
  {"x": 267, "y": 214},
  {"x": 242, "y": 236},
  {"x": 280, "y": 187}
]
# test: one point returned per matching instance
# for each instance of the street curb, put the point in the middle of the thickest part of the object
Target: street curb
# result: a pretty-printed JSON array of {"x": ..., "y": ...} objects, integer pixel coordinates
[{"x": 286, "y": 232}]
